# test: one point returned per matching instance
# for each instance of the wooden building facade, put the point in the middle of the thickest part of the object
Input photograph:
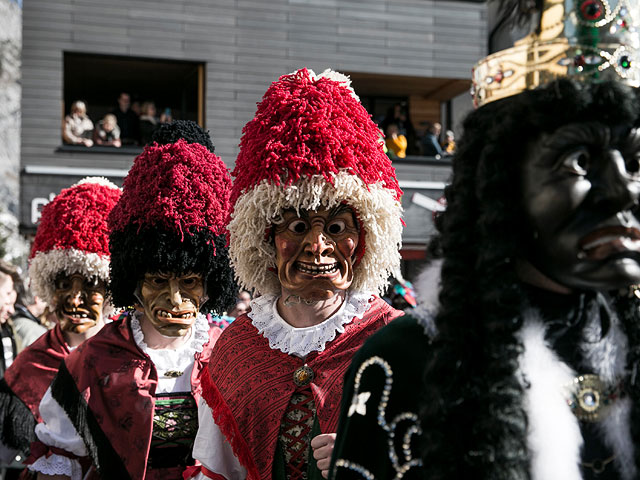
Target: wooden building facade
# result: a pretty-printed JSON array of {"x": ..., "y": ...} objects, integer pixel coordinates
[{"x": 212, "y": 60}]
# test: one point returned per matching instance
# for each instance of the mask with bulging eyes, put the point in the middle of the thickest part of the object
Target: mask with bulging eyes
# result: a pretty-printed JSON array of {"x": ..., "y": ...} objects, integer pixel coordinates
[
  {"x": 316, "y": 251},
  {"x": 580, "y": 187}
]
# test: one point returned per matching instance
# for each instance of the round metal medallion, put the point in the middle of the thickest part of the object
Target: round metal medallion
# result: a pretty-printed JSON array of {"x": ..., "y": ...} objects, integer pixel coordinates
[
  {"x": 303, "y": 376},
  {"x": 591, "y": 398}
]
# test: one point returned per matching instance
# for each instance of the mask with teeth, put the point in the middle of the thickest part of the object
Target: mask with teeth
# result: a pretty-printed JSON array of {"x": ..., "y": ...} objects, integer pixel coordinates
[
  {"x": 316, "y": 251},
  {"x": 580, "y": 187},
  {"x": 171, "y": 302},
  {"x": 78, "y": 302}
]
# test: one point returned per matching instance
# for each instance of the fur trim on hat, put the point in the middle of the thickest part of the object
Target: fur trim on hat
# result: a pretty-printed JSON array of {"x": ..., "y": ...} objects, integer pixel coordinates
[
  {"x": 45, "y": 266},
  {"x": 253, "y": 256}
]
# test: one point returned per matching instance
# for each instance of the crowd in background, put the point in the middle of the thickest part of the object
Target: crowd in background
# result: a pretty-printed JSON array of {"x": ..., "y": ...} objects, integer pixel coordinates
[
  {"x": 129, "y": 123},
  {"x": 402, "y": 139}
]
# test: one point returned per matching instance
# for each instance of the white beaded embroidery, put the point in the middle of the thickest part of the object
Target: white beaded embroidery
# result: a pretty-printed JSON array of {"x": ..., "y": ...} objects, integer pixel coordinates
[
  {"x": 356, "y": 468},
  {"x": 358, "y": 404}
]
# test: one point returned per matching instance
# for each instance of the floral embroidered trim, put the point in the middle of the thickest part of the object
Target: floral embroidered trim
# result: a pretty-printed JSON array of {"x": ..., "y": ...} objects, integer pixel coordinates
[
  {"x": 169, "y": 359},
  {"x": 302, "y": 341}
]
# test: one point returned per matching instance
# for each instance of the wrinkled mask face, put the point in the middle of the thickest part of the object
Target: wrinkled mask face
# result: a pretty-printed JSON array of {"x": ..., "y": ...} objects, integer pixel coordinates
[
  {"x": 78, "y": 302},
  {"x": 171, "y": 302},
  {"x": 315, "y": 252},
  {"x": 580, "y": 189}
]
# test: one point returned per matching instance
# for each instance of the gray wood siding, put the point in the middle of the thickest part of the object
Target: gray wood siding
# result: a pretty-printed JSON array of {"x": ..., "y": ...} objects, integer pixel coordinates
[{"x": 245, "y": 44}]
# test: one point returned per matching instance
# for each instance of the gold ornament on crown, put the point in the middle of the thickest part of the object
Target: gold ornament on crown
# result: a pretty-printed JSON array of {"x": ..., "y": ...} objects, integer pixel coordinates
[{"x": 586, "y": 40}]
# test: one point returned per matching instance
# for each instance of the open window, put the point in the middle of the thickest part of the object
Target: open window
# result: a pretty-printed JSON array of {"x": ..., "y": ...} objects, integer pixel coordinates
[{"x": 175, "y": 88}]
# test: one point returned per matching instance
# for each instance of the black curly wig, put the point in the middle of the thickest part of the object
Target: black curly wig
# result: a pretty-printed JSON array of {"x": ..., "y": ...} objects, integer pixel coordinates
[
  {"x": 135, "y": 253},
  {"x": 136, "y": 250},
  {"x": 470, "y": 382}
]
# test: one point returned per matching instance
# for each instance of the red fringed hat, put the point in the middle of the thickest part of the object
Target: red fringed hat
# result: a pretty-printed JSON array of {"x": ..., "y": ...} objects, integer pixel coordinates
[
  {"x": 173, "y": 215},
  {"x": 175, "y": 187},
  {"x": 312, "y": 144},
  {"x": 72, "y": 235}
]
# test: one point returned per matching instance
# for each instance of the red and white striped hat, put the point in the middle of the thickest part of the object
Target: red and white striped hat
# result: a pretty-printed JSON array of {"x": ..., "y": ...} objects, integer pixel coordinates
[
  {"x": 312, "y": 144},
  {"x": 72, "y": 235}
]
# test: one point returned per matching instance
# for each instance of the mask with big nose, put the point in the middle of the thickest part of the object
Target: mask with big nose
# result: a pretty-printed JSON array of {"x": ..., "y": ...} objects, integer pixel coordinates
[
  {"x": 171, "y": 302},
  {"x": 315, "y": 251},
  {"x": 78, "y": 302}
]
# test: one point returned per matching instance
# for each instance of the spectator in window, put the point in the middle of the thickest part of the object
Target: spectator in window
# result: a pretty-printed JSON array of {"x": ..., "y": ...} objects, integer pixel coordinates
[
  {"x": 136, "y": 107},
  {"x": 127, "y": 120},
  {"x": 148, "y": 122},
  {"x": 449, "y": 145},
  {"x": 398, "y": 115},
  {"x": 78, "y": 127},
  {"x": 396, "y": 142},
  {"x": 107, "y": 132},
  {"x": 430, "y": 144}
]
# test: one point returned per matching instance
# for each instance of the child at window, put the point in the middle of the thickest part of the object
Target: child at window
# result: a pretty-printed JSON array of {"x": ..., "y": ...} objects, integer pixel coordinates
[{"x": 107, "y": 132}]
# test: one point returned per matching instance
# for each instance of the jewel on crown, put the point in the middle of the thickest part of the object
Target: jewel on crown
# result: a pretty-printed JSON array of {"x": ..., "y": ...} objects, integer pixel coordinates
[{"x": 587, "y": 40}]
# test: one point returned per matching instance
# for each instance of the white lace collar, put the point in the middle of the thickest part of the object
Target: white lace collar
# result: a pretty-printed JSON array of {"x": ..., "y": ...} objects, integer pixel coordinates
[
  {"x": 172, "y": 359},
  {"x": 302, "y": 341}
]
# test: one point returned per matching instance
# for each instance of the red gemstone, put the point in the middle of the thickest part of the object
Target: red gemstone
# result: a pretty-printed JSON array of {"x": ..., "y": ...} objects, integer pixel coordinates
[{"x": 591, "y": 9}]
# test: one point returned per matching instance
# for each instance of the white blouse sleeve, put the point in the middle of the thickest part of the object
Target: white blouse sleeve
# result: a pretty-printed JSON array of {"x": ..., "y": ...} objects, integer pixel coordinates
[
  {"x": 212, "y": 449},
  {"x": 56, "y": 430}
]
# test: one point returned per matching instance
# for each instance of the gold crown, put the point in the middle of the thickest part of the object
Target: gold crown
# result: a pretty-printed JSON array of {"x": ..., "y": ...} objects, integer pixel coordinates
[{"x": 586, "y": 40}]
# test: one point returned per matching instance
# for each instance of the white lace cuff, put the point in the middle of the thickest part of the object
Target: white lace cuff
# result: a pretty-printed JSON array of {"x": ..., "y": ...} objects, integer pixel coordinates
[
  {"x": 58, "y": 465},
  {"x": 302, "y": 341}
]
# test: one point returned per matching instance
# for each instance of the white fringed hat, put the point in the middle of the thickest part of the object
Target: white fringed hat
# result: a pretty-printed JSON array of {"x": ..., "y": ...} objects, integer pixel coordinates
[
  {"x": 72, "y": 235},
  {"x": 312, "y": 144}
]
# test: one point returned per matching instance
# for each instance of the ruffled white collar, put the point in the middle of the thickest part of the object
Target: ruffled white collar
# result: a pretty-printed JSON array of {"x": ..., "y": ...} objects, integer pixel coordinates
[
  {"x": 173, "y": 359},
  {"x": 302, "y": 341}
]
